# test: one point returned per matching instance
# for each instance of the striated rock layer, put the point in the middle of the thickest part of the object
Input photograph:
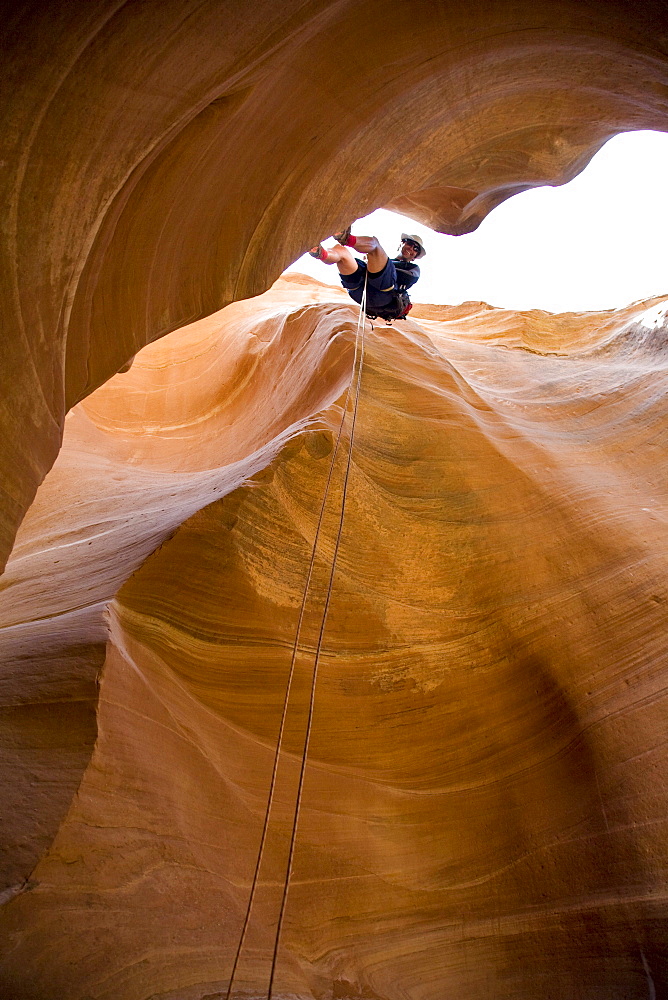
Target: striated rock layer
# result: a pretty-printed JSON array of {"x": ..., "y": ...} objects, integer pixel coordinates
[
  {"x": 161, "y": 159},
  {"x": 484, "y": 808},
  {"x": 186, "y": 425}
]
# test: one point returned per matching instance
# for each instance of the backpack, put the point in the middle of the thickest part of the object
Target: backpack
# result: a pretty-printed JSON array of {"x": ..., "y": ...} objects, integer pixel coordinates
[{"x": 398, "y": 308}]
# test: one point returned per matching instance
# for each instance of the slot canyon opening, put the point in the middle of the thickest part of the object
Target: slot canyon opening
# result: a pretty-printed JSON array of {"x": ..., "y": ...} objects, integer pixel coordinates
[
  {"x": 486, "y": 807},
  {"x": 594, "y": 243}
]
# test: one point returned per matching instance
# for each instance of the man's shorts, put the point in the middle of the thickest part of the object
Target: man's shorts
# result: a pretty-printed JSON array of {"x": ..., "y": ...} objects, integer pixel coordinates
[{"x": 381, "y": 285}]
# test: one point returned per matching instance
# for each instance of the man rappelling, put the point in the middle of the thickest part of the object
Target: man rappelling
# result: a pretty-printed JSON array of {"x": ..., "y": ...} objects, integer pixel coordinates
[{"x": 387, "y": 279}]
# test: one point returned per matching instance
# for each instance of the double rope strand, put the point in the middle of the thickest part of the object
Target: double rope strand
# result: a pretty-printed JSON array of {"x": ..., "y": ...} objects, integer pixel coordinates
[
  {"x": 358, "y": 361},
  {"x": 307, "y": 737}
]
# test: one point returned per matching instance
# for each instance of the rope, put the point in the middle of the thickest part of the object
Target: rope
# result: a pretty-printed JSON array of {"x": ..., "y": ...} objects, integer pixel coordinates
[
  {"x": 295, "y": 649},
  {"x": 302, "y": 772}
]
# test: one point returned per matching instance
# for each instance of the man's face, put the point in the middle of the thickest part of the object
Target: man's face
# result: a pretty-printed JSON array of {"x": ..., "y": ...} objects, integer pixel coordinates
[{"x": 408, "y": 250}]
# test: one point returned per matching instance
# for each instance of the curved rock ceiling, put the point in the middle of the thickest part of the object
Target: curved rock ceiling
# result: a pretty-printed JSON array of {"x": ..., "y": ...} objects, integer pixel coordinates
[
  {"x": 162, "y": 159},
  {"x": 485, "y": 802}
]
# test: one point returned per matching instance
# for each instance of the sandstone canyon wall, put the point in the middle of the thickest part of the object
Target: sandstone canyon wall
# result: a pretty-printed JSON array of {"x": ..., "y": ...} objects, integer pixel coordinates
[
  {"x": 161, "y": 159},
  {"x": 484, "y": 806},
  {"x": 484, "y": 809}
]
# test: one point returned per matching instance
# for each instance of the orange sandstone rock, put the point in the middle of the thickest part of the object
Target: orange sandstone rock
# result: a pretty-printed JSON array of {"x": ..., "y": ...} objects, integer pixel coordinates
[
  {"x": 186, "y": 425},
  {"x": 160, "y": 160},
  {"x": 484, "y": 811}
]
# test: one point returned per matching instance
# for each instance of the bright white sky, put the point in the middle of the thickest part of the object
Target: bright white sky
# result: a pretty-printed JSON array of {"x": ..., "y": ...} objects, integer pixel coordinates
[{"x": 599, "y": 242}]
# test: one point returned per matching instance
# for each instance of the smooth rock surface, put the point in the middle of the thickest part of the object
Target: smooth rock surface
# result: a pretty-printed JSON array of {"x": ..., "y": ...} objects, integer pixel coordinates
[
  {"x": 161, "y": 159},
  {"x": 186, "y": 425},
  {"x": 484, "y": 811},
  {"x": 484, "y": 808}
]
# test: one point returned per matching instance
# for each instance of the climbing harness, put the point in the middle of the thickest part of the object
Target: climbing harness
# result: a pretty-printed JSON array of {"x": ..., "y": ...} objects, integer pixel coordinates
[
  {"x": 358, "y": 362},
  {"x": 398, "y": 308}
]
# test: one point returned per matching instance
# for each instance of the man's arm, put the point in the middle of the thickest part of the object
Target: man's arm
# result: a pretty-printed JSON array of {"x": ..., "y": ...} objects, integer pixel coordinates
[{"x": 407, "y": 273}]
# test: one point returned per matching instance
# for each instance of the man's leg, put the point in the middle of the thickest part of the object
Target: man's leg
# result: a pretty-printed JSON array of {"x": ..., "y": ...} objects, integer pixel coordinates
[
  {"x": 375, "y": 255},
  {"x": 341, "y": 256},
  {"x": 380, "y": 270}
]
